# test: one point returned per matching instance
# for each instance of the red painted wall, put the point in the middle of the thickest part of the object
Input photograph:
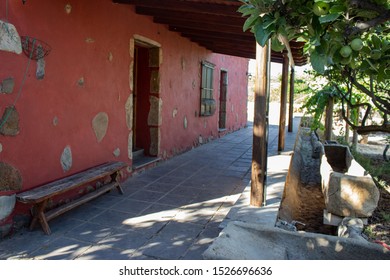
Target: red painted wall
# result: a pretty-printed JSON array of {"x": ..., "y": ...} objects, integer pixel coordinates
[{"x": 82, "y": 42}]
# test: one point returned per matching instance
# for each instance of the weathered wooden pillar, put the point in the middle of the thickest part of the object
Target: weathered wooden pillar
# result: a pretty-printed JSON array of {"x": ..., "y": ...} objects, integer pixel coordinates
[
  {"x": 283, "y": 104},
  {"x": 259, "y": 149},
  {"x": 329, "y": 119},
  {"x": 291, "y": 101}
]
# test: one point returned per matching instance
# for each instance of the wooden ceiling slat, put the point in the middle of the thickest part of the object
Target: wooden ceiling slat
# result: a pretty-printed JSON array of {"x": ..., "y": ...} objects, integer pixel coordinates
[
  {"x": 190, "y": 17},
  {"x": 186, "y": 6},
  {"x": 213, "y": 24}
]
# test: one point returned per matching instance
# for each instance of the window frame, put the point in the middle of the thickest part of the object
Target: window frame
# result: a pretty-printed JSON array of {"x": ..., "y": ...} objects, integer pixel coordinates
[{"x": 207, "y": 102}]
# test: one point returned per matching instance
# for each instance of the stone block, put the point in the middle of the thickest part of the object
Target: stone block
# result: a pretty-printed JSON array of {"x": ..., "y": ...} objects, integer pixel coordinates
[
  {"x": 155, "y": 82},
  {"x": 66, "y": 159},
  {"x": 155, "y": 57},
  {"x": 7, "y": 85},
  {"x": 9, "y": 38},
  {"x": 155, "y": 141},
  {"x": 100, "y": 125},
  {"x": 10, "y": 178},
  {"x": 348, "y": 190},
  {"x": 155, "y": 112},
  {"x": 10, "y": 122}
]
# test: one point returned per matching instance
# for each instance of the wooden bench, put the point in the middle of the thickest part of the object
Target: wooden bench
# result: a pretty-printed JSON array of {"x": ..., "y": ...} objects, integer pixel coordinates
[{"x": 41, "y": 195}]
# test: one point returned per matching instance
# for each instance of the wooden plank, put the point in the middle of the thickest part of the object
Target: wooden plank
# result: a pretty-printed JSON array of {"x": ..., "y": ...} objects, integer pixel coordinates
[
  {"x": 259, "y": 148},
  {"x": 63, "y": 185}
]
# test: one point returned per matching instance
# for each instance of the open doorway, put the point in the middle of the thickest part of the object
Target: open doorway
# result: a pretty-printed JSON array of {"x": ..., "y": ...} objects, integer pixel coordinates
[
  {"x": 146, "y": 103},
  {"x": 223, "y": 99}
]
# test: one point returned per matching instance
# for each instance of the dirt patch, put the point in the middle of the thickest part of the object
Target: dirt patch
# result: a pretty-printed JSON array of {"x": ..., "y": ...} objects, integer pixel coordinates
[{"x": 310, "y": 211}]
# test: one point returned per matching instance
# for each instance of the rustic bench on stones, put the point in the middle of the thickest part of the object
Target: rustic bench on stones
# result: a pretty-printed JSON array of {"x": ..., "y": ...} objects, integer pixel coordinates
[{"x": 41, "y": 195}]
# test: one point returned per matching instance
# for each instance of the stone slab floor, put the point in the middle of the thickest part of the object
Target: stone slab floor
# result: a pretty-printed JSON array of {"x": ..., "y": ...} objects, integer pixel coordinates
[{"x": 172, "y": 211}]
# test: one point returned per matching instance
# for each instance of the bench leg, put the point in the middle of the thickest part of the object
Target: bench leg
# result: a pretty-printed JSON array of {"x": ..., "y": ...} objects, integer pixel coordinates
[
  {"x": 117, "y": 180},
  {"x": 39, "y": 215}
]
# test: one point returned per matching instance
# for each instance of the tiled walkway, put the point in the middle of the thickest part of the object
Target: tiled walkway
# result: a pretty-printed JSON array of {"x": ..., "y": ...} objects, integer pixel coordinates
[{"x": 172, "y": 211}]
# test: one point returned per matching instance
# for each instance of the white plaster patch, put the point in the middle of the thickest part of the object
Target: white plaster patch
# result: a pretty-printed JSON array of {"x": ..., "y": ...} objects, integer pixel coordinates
[
  {"x": 110, "y": 56},
  {"x": 185, "y": 122},
  {"x": 9, "y": 38}
]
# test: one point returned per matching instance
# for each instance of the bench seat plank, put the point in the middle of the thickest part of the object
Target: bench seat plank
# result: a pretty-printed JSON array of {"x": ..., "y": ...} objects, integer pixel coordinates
[
  {"x": 40, "y": 196},
  {"x": 63, "y": 185}
]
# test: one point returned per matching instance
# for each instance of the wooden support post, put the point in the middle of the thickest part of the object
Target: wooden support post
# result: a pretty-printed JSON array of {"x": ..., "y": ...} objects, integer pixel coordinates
[
  {"x": 291, "y": 101},
  {"x": 259, "y": 149},
  {"x": 329, "y": 119},
  {"x": 283, "y": 104}
]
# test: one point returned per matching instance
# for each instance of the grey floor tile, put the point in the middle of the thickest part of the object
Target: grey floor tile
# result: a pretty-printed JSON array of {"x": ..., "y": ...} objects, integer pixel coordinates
[
  {"x": 125, "y": 240},
  {"x": 176, "y": 237},
  {"x": 63, "y": 248},
  {"x": 176, "y": 200},
  {"x": 160, "y": 187},
  {"x": 102, "y": 252},
  {"x": 112, "y": 218},
  {"x": 90, "y": 232},
  {"x": 131, "y": 206},
  {"x": 148, "y": 196}
]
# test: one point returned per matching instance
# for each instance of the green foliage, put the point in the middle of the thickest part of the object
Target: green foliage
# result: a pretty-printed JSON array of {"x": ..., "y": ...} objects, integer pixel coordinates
[
  {"x": 316, "y": 105},
  {"x": 348, "y": 41}
]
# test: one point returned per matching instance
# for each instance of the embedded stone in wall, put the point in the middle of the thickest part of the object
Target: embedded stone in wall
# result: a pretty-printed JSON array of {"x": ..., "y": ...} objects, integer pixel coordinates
[
  {"x": 185, "y": 122},
  {"x": 9, "y": 38},
  {"x": 7, "y": 85},
  {"x": 110, "y": 56},
  {"x": 183, "y": 64},
  {"x": 129, "y": 112},
  {"x": 89, "y": 40},
  {"x": 116, "y": 152},
  {"x": 154, "y": 57},
  {"x": 81, "y": 82},
  {"x": 1, "y": 147},
  {"x": 10, "y": 178},
  {"x": 10, "y": 122},
  {"x": 155, "y": 82},
  {"x": 174, "y": 113},
  {"x": 7, "y": 205},
  {"x": 155, "y": 141},
  {"x": 40, "y": 74},
  {"x": 68, "y": 8},
  {"x": 131, "y": 76},
  {"x": 130, "y": 146},
  {"x": 55, "y": 121},
  {"x": 155, "y": 112},
  {"x": 66, "y": 159},
  {"x": 100, "y": 125}
]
